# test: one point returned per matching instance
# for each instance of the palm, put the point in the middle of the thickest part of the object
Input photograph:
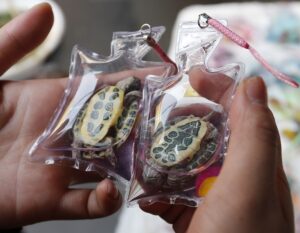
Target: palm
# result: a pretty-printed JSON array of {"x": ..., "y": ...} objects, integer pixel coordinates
[
  {"x": 23, "y": 118},
  {"x": 33, "y": 192}
]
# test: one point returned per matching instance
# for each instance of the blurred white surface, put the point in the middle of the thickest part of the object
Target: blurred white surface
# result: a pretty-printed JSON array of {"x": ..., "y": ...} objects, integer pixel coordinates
[{"x": 134, "y": 220}]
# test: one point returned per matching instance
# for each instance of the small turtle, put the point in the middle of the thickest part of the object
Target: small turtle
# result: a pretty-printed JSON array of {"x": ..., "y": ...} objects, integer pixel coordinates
[
  {"x": 179, "y": 142},
  {"x": 107, "y": 118},
  {"x": 184, "y": 144}
]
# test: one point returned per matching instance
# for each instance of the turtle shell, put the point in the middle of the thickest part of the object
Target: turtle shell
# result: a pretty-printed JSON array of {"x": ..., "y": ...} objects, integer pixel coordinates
[
  {"x": 125, "y": 122},
  {"x": 207, "y": 149},
  {"x": 102, "y": 111},
  {"x": 178, "y": 175},
  {"x": 107, "y": 119},
  {"x": 77, "y": 125},
  {"x": 178, "y": 142}
]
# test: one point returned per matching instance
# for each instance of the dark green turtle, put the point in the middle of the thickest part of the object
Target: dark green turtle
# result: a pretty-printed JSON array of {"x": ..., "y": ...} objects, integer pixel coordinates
[
  {"x": 183, "y": 144},
  {"x": 178, "y": 142},
  {"x": 107, "y": 119}
]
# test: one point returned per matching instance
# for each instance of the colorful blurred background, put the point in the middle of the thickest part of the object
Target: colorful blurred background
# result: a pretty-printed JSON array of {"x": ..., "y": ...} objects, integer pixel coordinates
[{"x": 273, "y": 27}]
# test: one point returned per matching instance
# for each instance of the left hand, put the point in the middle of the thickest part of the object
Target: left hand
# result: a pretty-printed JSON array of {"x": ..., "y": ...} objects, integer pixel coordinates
[{"x": 33, "y": 192}]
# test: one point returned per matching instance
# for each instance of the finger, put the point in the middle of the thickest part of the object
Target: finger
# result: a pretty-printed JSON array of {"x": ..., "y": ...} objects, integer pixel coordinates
[
  {"x": 285, "y": 198},
  {"x": 156, "y": 208},
  {"x": 81, "y": 177},
  {"x": 213, "y": 86},
  {"x": 87, "y": 177},
  {"x": 23, "y": 34},
  {"x": 174, "y": 213},
  {"x": 80, "y": 204},
  {"x": 178, "y": 215},
  {"x": 247, "y": 182},
  {"x": 254, "y": 148},
  {"x": 183, "y": 221}
]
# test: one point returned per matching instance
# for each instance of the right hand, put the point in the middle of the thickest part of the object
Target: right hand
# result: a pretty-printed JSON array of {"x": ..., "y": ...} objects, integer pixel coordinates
[{"x": 251, "y": 193}]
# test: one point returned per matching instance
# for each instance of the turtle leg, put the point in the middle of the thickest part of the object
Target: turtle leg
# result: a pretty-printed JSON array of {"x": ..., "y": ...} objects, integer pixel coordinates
[
  {"x": 77, "y": 124},
  {"x": 87, "y": 154},
  {"x": 207, "y": 149},
  {"x": 90, "y": 153},
  {"x": 206, "y": 152},
  {"x": 107, "y": 153},
  {"x": 130, "y": 84},
  {"x": 182, "y": 181},
  {"x": 128, "y": 117},
  {"x": 105, "y": 145},
  {"x": 151, "y": 176}
]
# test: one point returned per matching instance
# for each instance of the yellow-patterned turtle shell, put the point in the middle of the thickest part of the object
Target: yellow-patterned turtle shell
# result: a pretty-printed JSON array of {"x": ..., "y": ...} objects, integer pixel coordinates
[
  {"x": 108, "y": 117},
  {"x": 179, "y": 141},
  {"x": 183, "y": 144},
  {"x": 102, "y": 112}
]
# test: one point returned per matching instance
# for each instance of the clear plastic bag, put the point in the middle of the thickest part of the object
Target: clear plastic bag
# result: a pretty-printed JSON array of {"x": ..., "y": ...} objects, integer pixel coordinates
[
  {"x": 183, "y": 136},
  {"x": 94, "y": 126}
]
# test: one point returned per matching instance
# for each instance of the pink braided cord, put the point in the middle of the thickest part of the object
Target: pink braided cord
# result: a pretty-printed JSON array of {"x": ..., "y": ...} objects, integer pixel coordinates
[
  {"x": 276, "y": 73},
  {"x": 227, "y": 32},
  {"x": 241, "y": 42}
]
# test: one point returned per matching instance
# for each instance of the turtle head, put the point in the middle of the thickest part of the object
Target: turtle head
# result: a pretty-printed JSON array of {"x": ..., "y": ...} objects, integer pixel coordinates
[{"x": 130, "y": 84}]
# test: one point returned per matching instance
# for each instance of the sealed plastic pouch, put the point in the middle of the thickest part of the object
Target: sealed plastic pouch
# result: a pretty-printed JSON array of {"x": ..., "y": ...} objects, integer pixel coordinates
[
  {"x": 183, "y": 132},
  {"x": 93, "y": 128}
]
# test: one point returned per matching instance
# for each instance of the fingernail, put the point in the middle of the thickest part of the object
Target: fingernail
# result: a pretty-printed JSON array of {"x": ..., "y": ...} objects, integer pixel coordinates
[
  {"x": 112, "y": 190},
  {"x": 256, "y": 90}
]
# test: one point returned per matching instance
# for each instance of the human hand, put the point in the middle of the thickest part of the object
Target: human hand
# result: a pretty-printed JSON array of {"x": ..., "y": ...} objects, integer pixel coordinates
[
  {"x": 33, "y": 192},
  {"x": 251, "y": 193}
]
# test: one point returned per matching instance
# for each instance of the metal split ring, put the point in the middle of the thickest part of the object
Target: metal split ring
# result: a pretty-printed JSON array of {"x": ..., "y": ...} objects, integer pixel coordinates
[{"x": 203, "y": 20}]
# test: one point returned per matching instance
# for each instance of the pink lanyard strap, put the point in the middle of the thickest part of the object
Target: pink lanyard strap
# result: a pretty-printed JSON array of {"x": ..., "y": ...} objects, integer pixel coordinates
[
  {"x": 146, "y": 30},
  {"x": 205, "y": 20},
  {"x": 161, "y": 53}
]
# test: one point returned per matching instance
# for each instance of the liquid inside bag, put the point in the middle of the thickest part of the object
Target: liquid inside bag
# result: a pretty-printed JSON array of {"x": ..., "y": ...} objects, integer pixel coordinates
[
  {"x": 183, "y": 132},
  {"x": 94, "y": 126}
]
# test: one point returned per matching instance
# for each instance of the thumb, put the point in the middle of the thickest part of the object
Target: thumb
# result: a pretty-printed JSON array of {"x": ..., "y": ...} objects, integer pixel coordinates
[
  {"x": 254, "y": 149},
  {"x": 246, "y": 196},
  {"x": 24, "y": 33},
  {"x": 101, "y": 202}
]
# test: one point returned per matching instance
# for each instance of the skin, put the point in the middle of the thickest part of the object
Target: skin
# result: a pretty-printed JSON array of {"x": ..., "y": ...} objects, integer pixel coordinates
[
  {"x": 34, "y": 192},
  {"x": 251, "y": 193}
]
